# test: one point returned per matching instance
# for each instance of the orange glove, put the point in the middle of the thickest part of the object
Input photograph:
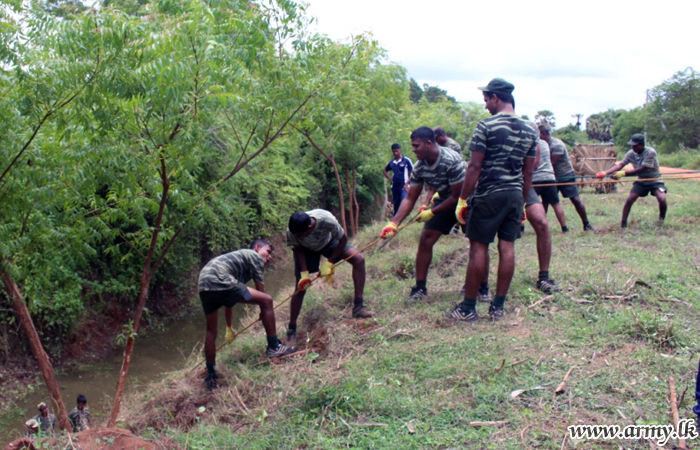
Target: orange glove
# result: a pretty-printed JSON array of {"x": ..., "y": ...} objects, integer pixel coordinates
[
  {"x": 305, "y": 281},
  {"x": 389, "y": 230},
  {"x": 422, "y": 208},
  {"x": 461, "y": 211},
  {"x": 524, "y": 219},
  {"x": 600, "y": 175}
]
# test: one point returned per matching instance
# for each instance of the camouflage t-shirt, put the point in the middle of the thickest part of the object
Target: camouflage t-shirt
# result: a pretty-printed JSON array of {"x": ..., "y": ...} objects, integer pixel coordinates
[
  {"x": 544, "y": 170},
  {"x": 327, "y": 228},
  {"x": 451, "y": 143},
  {"x": 447, "y": 171},
  {"x": 563, "y": 169},
  {"x": 226, "y": 271},
  {"x": 46, "y": 424},
  {"x": 506, "y": 140},
  {"x": 646, "y": 159},
  {"x": 80, "y": 419}
]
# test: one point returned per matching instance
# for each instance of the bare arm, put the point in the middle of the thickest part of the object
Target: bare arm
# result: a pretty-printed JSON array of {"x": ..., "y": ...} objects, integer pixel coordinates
[
  {"x": 528, "y": 167},
  {"x": 472, "y": 174},
  {"x": 407, "y": 204},
  {"x": 338, "y": 252},
  {"x": 301, "y": 257},
  {"x": 260, "y": 286}
]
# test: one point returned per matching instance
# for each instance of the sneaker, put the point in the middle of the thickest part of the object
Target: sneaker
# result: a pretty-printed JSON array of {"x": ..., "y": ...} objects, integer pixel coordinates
[
  {"x": 484, "y": 296},
  {"x": 291, "y": 338},
  {"x": 210, "y": 380},
  {"x": 564, "y": 229},
  {"x": 548, "y": 286},
  {"x": 588, "y": 227},
  {"x": 361, "y": 313},
  {"x": 417, "y": 294},
  {"x": 280, "y": 351},
  {"x": 496, "y": 312},
  {"x": 623, "y": 224},
  {"x": 459, "y": 314}
]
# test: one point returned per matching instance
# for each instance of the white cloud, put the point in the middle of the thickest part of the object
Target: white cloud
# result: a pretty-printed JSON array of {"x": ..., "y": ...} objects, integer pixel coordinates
[{"x": 568, "y": 57}]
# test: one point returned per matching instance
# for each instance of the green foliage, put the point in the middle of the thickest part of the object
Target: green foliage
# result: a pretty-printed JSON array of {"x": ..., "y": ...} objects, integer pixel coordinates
[
  {"x": 546, "y": 117},
  {"x": 682, "y": 159},
  {"x": 674, "y": 112},
  {"x": 626, "y": 124},
  {"x": 599, "y": 126},
  {"x": 570, "y": 135},
  {"x": 433, "y": 94}
]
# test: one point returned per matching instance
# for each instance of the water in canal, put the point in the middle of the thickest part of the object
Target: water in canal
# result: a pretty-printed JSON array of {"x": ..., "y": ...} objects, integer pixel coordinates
[{"x": 153, "y": 356}]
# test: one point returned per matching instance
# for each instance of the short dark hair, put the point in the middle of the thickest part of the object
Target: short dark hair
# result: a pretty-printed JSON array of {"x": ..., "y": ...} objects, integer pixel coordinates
[
  {"x": 424, "y": 133},
  {"x": 81, "y": 399},
  {"x": 395, "y": 146},
  {"x": 544, "y": 129},
  {"x": 507, "y": 98},
  {"x": 262, "y": 242},
  {"x": 299, "y": 222},
  {"x": 439, "y": 131}
]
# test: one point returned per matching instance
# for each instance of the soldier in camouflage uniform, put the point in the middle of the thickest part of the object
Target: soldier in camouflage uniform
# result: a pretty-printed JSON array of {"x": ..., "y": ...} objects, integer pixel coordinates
[
  {"x": 503, "y": 149},
  {"x": 443, "y": 170},
  {"x": 222, "y": 282},
  {"x": 564, "y": 173},
  {"x": 80, "y": 415},
  {"x": 46, "y": 420},
  {"x": 646, "y": 165},
  {"x": 443, "y": 140},
  {"x": 313, "y": 234}
]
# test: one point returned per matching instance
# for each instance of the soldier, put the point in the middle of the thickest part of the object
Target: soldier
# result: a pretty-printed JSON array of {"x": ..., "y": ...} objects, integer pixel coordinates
[
  {"x": 46, "y": 420},
  {"x": 503, "y": 149},
  {"x": 443, "y": 170},
  {"x": 312, "y": 234},
  {"x": 564, "y": 173},
  {"x": 443, "y": 140},
  {"x": 80, "y": 415},
  {"x": 32, "y": 428},
  {"x": 536, "y": 214},
  {"x": 222, "y": 283},
  {"x": 646, "y": 165}
]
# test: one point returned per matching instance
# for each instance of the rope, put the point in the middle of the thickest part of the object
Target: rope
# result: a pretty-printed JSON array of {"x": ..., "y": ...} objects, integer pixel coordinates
[
  {"x": 612, "y": 180},
  {"x": 296, "y": 291}
]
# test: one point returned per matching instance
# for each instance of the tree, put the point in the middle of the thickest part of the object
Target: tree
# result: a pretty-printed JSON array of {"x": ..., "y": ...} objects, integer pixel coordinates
[
  {"x": 577, "y": 116},
  {"x": 626, "y": 124},
  {"x": 545, "y": 117},
  {"x": 416, "y": 93},
  {"x": 674, "y": 111},
  {"x": 599, "y": 125}
]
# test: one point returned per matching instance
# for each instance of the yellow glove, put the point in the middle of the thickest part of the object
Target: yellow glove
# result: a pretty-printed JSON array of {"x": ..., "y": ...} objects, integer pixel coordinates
[
  {"x": 433, "y": 198},
  {"x": 389, "y": 230},
  {"x": 327, "y": 271},
  {"x": 229, "y": 335},
  {"x": 461, "y": 211},
  {"x": 425, "y": 215},
  {"x": 305, "y": 281},
  {"x": 619, "y": 174}
]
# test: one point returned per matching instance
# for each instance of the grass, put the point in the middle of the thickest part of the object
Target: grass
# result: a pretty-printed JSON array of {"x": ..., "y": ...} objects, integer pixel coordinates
[{"x": 626, "y": 322}]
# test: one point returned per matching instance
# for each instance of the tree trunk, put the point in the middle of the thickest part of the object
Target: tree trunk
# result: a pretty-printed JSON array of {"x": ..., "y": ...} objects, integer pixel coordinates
[
  {"x": 351, "y": 208},
  {"x": 41, "y": 357},
  {"x": 146, "y": 276},
  {"x": 357, "y": 204},
  {"x": 337, "y": 179}
]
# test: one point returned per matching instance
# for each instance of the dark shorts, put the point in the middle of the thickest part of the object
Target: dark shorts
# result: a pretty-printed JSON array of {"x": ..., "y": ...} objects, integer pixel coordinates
[
  {"x": 498, "y": 214},
  {"x": 532, "y": 198},
  {"x": 643, "y": 188},
  {"x": 213, "y": 300},
  {"x": 549, "y": 194},
  {"x": 397, "y": 197},
  {"x": 313, "y": 259},
  {"x": 570, "y": 190},
  {"x": 443, "y": 221}
]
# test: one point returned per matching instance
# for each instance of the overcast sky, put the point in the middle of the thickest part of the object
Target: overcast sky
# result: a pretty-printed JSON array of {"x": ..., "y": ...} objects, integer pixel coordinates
[{"x": 568, "y": 57}]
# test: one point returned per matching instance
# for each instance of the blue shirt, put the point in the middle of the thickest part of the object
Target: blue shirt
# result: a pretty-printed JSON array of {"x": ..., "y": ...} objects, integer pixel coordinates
[{"x": 402, "y": 170}]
